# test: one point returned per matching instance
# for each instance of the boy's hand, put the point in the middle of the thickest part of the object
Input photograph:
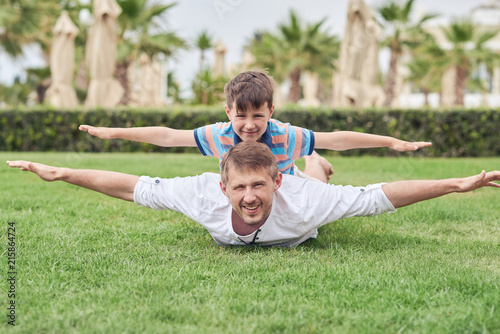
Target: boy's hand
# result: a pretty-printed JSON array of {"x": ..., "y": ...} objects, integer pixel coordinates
[
  {"x": 101, "y": 132},
  {"x": 401, "y": 145}
]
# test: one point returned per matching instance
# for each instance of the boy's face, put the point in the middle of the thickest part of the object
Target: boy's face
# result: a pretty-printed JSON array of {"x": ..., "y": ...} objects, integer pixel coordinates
[{"x": 250, "y": 125}]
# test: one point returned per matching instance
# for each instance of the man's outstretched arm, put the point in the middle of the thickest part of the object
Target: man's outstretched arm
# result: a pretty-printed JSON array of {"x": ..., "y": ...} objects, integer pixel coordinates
[
  {"x": 113, "y": 184},
  {"x": 403, "y": 193}
]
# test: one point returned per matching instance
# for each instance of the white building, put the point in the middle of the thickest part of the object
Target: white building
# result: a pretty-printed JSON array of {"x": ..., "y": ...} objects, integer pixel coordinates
[{"x": 485, "y": 17}]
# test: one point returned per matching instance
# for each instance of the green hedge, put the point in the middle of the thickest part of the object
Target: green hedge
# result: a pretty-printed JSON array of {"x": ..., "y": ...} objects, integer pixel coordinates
[{"x": 455, "y": 133}]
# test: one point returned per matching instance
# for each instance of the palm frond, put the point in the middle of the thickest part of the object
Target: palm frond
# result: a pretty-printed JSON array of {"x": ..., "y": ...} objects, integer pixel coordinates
[{"x": 406, "y": 11}]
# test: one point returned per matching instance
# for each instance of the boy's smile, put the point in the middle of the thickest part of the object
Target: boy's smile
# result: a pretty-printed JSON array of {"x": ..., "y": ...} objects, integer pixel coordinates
[{"x": 251, "y": 124}]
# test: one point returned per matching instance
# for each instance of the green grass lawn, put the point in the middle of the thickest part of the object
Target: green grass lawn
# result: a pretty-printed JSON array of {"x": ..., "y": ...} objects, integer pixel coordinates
[{"x": 87, "y": 263}]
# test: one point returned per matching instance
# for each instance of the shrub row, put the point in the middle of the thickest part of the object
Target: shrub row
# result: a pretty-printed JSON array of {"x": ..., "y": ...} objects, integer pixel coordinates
[{"x": 455, "y": 133}]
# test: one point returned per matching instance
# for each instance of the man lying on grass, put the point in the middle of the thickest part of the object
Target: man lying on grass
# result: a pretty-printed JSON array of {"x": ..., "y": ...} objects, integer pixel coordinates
[{"x": 250, "y": 202}]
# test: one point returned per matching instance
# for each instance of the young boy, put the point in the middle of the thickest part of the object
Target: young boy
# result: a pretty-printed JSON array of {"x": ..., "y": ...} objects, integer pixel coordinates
[{"x": 249, "y": 108}]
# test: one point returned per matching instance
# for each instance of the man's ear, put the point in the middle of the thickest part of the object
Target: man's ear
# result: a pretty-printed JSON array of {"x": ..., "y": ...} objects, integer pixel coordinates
[
  {"x": 278, "y": 181},
  {"x": 228, "y": 111},
  {"x": 223, "y": 188}
]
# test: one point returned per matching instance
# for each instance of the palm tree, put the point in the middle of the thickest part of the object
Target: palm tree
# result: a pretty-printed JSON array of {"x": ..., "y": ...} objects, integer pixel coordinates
[
  {"x": 294, "y": 49},
  {"x": 19, "y": 21},
  {"x": 401, "y": 32},
  {"x": 461, "y": 33},
  {"x": 25, "y": 22},
  {"x": 33, "y": 22},
  {"x": 9, "y": 16},
  {"x": 141, "y": 31},
  {"x": 269, "y": 54},
  {"x": 301, "y": 47},
  {"x": 321, "y": 60},
  {"x": 8, "y": 13},
  {"x": 427, "y": 68},
  {"x": 207, "y": 89},
  {"x": 204, "y": 42},
  {"x": 15, "y": 94},
  {"x": 173, "y": 88},
  {"x": 292, "y": 36}
]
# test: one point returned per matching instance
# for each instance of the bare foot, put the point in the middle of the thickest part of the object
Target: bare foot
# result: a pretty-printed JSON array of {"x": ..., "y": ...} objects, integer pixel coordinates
[
  {"x": 318, "y": 167},
  {"x": 47, "y": 173},
  {"x": 327, "y": 166}
]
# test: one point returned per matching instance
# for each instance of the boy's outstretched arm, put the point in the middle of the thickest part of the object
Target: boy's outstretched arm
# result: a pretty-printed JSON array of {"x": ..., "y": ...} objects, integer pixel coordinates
[
  {"x": 113, "y": 184},
  {"x": 404, "y": 193},
  {"x": 156, "y": 135},
  {"x": 347, "y": 140}
]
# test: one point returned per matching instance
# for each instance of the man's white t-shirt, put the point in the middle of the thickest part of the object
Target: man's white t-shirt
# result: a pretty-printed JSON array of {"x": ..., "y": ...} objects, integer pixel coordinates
[{"x": 299, "y": 207}]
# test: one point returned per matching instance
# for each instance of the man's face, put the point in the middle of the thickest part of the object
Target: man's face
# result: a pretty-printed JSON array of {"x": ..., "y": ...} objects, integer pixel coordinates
[
  {"x": 251, "y": 124},
  {"x": 251, "y": 193}
]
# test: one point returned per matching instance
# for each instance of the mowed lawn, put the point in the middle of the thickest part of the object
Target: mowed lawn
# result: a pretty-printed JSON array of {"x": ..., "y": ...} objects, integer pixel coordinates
[{"x": 87, "y": 263}]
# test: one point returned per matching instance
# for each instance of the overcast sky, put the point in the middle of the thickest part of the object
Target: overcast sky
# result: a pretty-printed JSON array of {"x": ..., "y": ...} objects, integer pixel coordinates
[{"x": 234, "y": 21}]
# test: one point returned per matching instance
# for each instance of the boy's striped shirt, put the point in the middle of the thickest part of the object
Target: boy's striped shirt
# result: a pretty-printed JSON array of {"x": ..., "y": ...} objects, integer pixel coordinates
[{"x": 287, "y": 142}]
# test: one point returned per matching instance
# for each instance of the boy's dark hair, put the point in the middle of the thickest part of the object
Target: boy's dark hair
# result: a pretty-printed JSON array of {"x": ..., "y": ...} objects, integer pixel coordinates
[
  {"x": 248, "y": 156},
  {"x": 249, "y": 89}
]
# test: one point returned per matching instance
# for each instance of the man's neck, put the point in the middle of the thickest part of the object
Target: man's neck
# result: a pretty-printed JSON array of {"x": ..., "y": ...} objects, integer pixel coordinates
[{"x": 241, "y": 228}]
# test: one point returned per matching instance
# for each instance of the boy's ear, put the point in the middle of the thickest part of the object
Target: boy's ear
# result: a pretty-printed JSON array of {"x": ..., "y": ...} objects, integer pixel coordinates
[
  {"x": 271, "y": 110},
  {"x": 228, "y": 111}
]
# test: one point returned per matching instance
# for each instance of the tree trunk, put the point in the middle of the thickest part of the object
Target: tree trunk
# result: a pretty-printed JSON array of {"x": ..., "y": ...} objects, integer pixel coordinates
[
  {"x": 41, "y": 89},
  {"x": 81, "y": 82},
  {"x": 426, "y": 96},
  {"x": 121, "y": 74},
  {"x": 460, "y": 85},
  {"x": 390, "y": 80},
  {"x": 294, "y": 93},
  {"x": 204, "y": 97},
  {"x": 202, "y": 61}
]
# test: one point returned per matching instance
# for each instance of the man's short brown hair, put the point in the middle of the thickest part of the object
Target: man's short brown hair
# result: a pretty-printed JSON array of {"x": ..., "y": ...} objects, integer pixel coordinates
[
  {"x": 249, "y": 156},
  {"x": 249, "y": 89}
]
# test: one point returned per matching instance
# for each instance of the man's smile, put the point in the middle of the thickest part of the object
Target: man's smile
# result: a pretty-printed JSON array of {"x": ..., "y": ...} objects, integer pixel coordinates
[{"x": 251, "y": 208}]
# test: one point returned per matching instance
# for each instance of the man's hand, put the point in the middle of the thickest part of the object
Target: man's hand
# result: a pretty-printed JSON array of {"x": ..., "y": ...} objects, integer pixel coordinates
[
  {"x": 113, "y": 184},
  {"x": 483, "y": 179},
  {"x": 101, "y": 132},
  {"x": 401, "y": 145},
  {"x": 47, "y": 173}
]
